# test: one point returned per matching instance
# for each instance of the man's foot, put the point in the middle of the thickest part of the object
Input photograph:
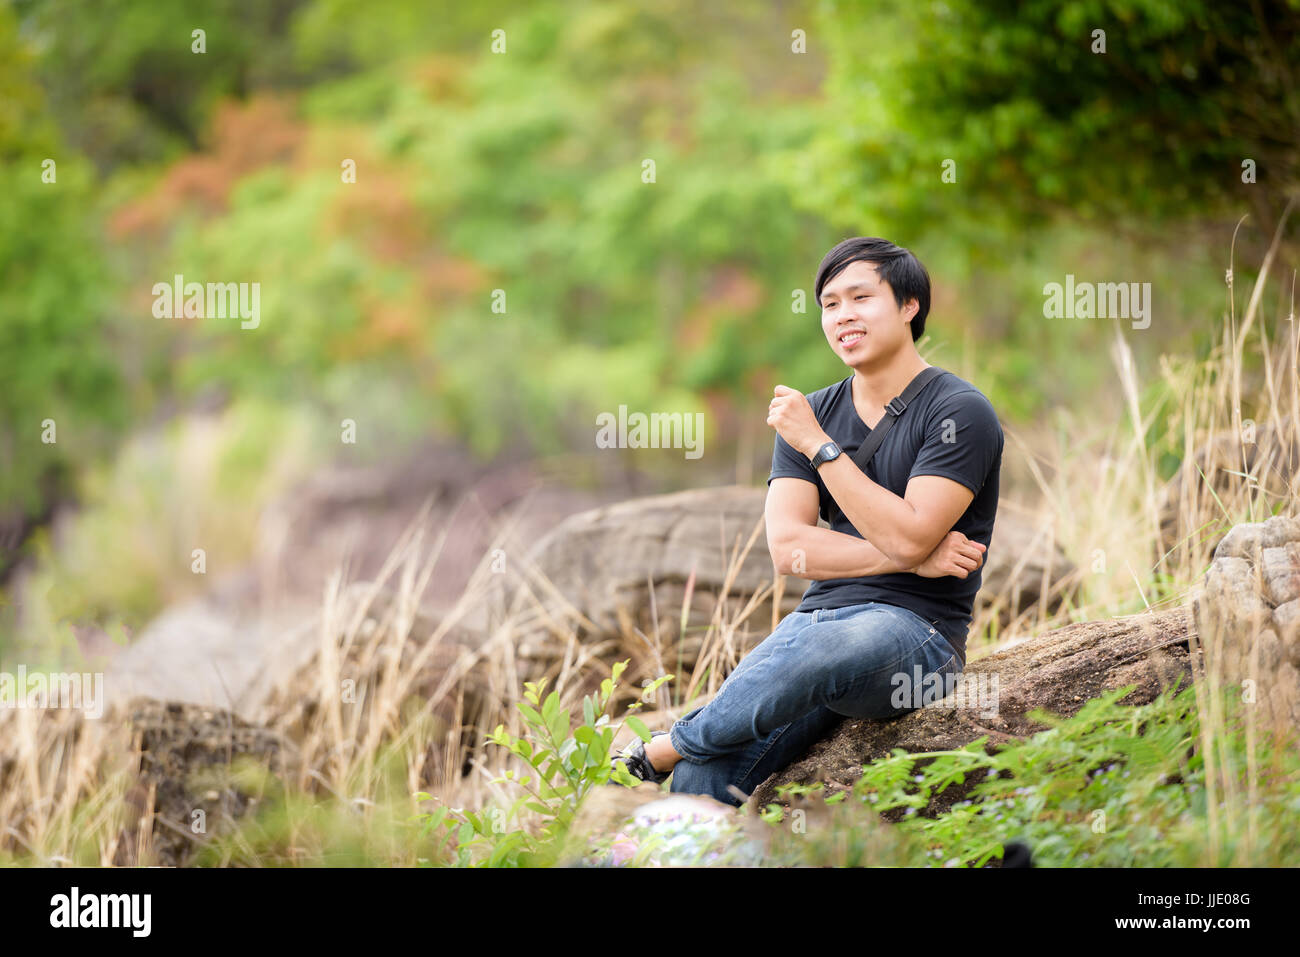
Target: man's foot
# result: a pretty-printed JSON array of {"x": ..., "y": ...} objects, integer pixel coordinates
[{"x": 638, "y": 763}]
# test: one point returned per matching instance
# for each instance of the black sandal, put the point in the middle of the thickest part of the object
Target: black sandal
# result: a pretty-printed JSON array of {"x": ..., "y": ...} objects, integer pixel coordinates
[{"x": 638, "y": 765}]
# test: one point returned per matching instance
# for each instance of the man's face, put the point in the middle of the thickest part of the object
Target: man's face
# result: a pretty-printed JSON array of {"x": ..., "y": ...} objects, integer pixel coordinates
[{"x": 859, "y": 305}]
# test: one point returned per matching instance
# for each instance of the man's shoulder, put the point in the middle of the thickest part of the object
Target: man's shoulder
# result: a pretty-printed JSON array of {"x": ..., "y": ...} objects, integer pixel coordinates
[
  {"x": 960, "y": 401},
  {"x": 954, "y": 391}
]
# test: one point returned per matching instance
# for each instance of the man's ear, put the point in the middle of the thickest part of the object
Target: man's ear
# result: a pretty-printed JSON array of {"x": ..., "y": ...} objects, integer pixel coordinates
[{"x": 911, "y": 307}]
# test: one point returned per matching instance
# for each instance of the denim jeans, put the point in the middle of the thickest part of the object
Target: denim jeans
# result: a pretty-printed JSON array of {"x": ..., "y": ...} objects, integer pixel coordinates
[{"x": 816, "y": 669}]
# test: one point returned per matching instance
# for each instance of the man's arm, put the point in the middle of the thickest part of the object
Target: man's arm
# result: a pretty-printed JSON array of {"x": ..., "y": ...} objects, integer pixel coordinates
[
  {"x": 960, "y": 443},
  {"x": 906, "y": 529},
  {"x": 800, "y": 547}
]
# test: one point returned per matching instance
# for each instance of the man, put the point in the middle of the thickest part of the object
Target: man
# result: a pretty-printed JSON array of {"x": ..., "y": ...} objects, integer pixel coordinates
[{"x": 894, "y": 578}]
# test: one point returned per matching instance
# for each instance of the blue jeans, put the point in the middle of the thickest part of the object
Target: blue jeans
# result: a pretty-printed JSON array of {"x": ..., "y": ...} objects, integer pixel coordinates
[{"x": 816, "y": 669}]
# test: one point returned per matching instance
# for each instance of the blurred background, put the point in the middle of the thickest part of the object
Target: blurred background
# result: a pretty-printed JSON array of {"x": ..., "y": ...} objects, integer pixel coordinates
[{"x": 477, "y": 226}]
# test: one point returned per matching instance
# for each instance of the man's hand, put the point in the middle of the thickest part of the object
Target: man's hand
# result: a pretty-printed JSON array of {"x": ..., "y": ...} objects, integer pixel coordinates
[
  {"x": 955, "y": 555},
  {"x": 793, "y": 418}
]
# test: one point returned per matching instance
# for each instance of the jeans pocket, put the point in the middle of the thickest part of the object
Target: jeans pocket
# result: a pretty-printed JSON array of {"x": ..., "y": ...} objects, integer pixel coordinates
[
  {"x": 950, "y": 667},
  {"x": 942, "y": 680}
]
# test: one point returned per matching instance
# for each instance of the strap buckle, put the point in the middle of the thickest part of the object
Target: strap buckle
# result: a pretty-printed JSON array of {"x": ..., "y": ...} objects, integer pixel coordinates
[{"x": 889, "y": 406}]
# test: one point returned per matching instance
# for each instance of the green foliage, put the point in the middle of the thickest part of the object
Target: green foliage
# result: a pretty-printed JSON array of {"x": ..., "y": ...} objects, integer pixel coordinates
[
  {"x": 1112, "y": 786},
  {"x": 287, "y": 827},
  {"x": 1037, "y": 120},
  {"x": 56, "y": 361},
  {"x": 567, "y": 764},
  {"x": 523, "y": 173},
  {"x": 132, "y": 63}
]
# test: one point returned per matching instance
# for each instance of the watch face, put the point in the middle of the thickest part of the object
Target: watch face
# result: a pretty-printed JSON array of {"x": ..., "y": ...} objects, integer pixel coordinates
[{"x": 827, "y": 452}]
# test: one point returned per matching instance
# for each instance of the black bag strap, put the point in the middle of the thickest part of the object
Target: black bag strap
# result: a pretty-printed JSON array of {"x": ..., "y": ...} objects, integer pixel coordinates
[{"x": 893, "y": 409}]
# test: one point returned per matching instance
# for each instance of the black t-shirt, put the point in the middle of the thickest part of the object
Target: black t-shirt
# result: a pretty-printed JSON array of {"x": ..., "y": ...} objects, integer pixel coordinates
[{"x": 949, "y": 429}]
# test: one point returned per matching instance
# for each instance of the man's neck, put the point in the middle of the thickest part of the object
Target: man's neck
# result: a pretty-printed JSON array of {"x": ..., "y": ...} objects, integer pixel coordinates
[{"x": 877, "y": 386}]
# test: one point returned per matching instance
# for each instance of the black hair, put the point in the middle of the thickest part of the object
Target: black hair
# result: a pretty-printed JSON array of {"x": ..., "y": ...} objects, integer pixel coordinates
[{"x": 894, "y": 264}]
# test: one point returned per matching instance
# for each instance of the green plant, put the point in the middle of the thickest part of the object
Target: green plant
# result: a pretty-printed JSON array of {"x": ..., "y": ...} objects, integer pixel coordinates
[
  {"x": 565, "y": 764},
  {"x": 1113, "y": 785}
]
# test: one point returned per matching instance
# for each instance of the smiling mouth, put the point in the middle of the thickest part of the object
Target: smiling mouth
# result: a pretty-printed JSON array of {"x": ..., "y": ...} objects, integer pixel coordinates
[{"x": 850, "y": 338}]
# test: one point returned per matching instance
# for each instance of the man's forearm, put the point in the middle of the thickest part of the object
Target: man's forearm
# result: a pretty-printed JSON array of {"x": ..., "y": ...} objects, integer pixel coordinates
[
  {"x": 888, "y": 517},
  {"x": 820, "y": 553}
]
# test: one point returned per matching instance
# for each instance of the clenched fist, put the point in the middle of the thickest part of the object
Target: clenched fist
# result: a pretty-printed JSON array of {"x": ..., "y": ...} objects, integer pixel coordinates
[
  {"x": 955, "y": 555},
  {"x": 792, "y": 417}
]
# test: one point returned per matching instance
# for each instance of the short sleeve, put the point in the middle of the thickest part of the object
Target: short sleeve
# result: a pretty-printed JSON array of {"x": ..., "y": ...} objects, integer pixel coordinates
[
  {"x": 788, "y": 462},
  {"x": 963, "y": 439}
]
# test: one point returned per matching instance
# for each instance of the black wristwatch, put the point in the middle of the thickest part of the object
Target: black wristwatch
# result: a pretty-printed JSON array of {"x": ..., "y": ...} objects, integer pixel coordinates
[{"x": 827, "y": 452}]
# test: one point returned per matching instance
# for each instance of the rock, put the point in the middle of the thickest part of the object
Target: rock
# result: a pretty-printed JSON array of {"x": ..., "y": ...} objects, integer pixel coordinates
[
  {"x": 1249, "y": 539},
  {"x": 354, "y": 514},
  {"x": 1248, "y": 617},
  {"x": 1021, "y": 558},
  {"x": 614, "y": 823},
  {"x": 176, "y": 759},
  {"x": 1058, "y": 671},
  {"x": 1280, "y": 567},
  {"x": 1287, "y": 618},
  {"x": 1234, "y": 586},
  {"x": 213, "y": 650},
  {"x": 186, "y": 779},
  {"x": 1269, "y": 650}
]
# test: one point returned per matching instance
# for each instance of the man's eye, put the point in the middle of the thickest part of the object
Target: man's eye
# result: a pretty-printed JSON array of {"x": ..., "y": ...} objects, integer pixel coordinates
[{"x": 862, "y": 297}]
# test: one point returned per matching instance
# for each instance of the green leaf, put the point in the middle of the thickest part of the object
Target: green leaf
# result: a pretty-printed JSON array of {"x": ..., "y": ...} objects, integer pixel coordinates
[
  {"x": 653, "y": 686},
  {"x": 637, "y": 725},
  {"x": 622, "y": 775},
  {"x": 559, "y": 726},
  {"x": 550, "y": 707}
]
